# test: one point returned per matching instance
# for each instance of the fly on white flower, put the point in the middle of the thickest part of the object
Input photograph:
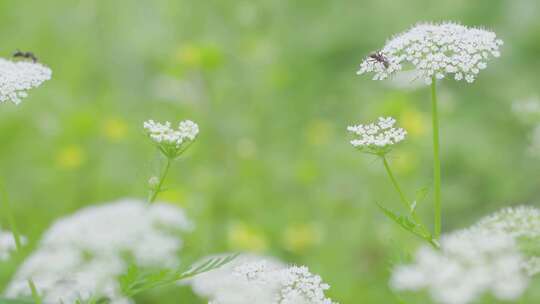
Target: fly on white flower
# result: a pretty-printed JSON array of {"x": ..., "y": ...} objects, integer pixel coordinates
[
  {"x": 377, "y": 137},
  {"x": 436, "y": 50},
  {"x": 171, "y": 142},
  {"x": 17, "y": 77}
]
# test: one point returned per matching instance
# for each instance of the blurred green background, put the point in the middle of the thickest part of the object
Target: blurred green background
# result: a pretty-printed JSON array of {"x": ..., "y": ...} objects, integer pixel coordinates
[{"x": 272, "y": 86}]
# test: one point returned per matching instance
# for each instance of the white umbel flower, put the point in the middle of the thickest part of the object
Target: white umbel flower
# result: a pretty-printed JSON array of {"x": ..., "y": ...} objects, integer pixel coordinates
[
  {"x": 82, "y": 255},
  {"x": 171, "y": 141},
  {"x": 225, "y": 286},
  {"x": 377, "y": 137},
  {"x": 7, "y": 245},
  {"x": 469, "y": 264},
  {"x": 17, "y": 77},
  {"x": 256, "y": 280},
  {"x": 436, "y": 50}
]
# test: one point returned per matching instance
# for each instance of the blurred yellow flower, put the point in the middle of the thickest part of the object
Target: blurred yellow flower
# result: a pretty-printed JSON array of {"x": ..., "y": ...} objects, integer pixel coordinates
[
  {"x": 190, "y": 55},
  {"x": 241, "y": 236},
  {"x": 404, "y": 162},
  {"x": 70, "y": 157},
  {"x": 176, "y": 196},
  {"x": 319, "y": 132},
  {"x": 298, "y": 238},
  {"x": 115, "y": 129},
  {"x": 199, "y": 56},
  {"x": 414, "y": 122}
]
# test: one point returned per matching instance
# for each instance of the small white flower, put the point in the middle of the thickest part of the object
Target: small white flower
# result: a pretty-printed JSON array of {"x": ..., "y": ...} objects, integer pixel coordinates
[
  {"x": 435, "y": 50},
  {"x": 188, "y": 129},
  {"x": 469, "y": 264},
  {"x": 153, "y": 182},
  {"x": 17, "y": 77},
  {"x": 171, "y": 141},
  {"x": 377, "y": 137}
]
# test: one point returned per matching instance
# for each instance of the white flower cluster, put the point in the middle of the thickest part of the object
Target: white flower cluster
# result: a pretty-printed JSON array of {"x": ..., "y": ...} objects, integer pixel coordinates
[
  {"x": 224, "y": 286},
  {"x": 7, "y": 245},
  {"x": 521, "y": 223},
  {"x": 83, "y": 254},
  {"x": 169, "y": 139},
  {"x": 469, "y": 264},
  {"x": 262, "y": 282},
  {"x": 377, "y": 137},
  {"x": 17, "y": 77},
  {"x": 436, "y": 50}
]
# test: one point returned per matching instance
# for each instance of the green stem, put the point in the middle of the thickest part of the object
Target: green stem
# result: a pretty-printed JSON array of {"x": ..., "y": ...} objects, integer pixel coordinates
[
  {"x": 436, "y": 161},
  {"x": 395, "y": 183},
  {"x": 155, "y": 191},
  {"x": 35, "y": 293}
]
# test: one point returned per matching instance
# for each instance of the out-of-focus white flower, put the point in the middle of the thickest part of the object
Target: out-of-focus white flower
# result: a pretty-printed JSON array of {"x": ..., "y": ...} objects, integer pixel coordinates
[
  {"x": 436, "y": 50},
  {"x": 263, "y": 282},
  {"x": 469, "y": 264},
  {"x": 17, "y": 77},
  {"x": 153, "y": 182},
  {"x": 527, "y": 107},
  {"x": 534, "y": 147},
  {"x": 377, "y": 137},
  {"x": 83, "y": 254},
  {"x": 521, "y": 223},
  {"x": 171, "y": 141},
  {"x": 7, "y": 245}
]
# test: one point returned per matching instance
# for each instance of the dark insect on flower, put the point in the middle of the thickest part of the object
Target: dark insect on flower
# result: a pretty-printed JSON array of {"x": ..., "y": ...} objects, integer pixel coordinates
[
  {"x": 379, "y": 57},
  {"x": 25, "y": 55}
]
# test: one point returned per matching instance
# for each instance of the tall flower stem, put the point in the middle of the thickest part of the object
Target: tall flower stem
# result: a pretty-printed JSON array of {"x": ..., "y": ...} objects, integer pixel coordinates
[
  {"x": 436, "y": 161},
  {"x": 17, "y": 238},
  {"x": 395, "y": 183},
  {"x": 159, "y": 187}
]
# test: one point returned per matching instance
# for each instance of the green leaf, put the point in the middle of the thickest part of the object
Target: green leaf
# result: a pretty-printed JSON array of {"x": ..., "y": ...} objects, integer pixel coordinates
[
  {"x": 135, "y": 280},
  {"x": 409, "y": 225},
  {"x": 419, "y": 197}
]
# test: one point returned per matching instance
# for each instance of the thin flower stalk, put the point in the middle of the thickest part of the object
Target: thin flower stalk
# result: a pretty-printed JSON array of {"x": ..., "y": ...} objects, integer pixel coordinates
[
  {"x": 378, "y": 139},
  {"x": 436, "y": 162},
  {"x": 172, "y": 143}
]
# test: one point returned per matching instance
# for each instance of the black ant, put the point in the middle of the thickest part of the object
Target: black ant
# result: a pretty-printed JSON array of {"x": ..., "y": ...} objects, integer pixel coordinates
[
  {"x": 380, "y": 58},
  {"x": 25, "y": 55}
]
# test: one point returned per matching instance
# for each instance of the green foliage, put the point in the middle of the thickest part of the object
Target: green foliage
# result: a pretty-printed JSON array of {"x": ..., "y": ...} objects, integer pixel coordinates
[
  {"x": 410, "y": 225},
  {"x": 136, "y": 281}
]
